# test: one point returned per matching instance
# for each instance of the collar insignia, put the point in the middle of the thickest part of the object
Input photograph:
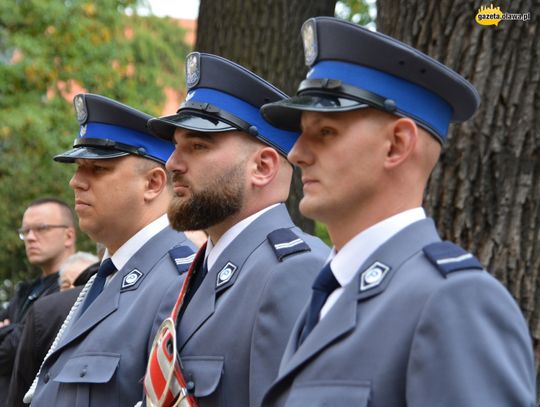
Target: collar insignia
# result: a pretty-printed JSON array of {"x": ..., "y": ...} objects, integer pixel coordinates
[
  {"x": 225, "y": 274},
  {"x": 373, "y": 276},
  {"x": 131, "y": 279}
]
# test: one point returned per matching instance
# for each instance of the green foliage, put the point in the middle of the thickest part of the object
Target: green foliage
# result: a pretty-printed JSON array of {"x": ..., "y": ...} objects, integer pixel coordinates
[
  {"x": 357, "y": 11},
  {"x": 322, "y": 233},
  {"x": 49, "y": 50}
]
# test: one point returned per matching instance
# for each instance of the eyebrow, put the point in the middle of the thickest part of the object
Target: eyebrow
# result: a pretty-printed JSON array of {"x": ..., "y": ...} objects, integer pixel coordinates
[
  {"x": 312, "y": 123},
  {"x": 199, "y": 135}
]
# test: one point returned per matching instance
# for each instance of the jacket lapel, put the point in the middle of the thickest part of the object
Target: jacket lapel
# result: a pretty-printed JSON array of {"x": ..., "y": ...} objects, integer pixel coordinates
[
  {"x": 218, "y": 280},
  {"x": 342, "y": 317},
  {"x": 107, "y": 302},
  {"x": 199, "y": 309}
]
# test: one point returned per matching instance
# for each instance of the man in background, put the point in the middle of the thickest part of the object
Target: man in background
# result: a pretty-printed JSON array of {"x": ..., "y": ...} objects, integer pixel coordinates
[
  {"x": 48, "y": 233},
  {"x": 43, "y": 321},
  {"x": 73, "y": 267}
]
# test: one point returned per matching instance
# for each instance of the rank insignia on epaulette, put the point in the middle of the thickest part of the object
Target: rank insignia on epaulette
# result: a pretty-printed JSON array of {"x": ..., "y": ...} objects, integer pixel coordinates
[
  {"x": 131, "y": 279},
  {"x": 285, "y": 242},
  {"x": 373, "y": 276},
  {"x": 225, "y": 274},
  {"x": 182, "y": 256},
  {"x": 448, "y": 257}
]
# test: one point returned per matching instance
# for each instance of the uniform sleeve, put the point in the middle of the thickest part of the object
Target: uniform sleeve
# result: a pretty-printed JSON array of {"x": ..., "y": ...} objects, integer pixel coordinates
[
  {"x": 284, "y": 296},
  {"x": 471, "y": 348}
]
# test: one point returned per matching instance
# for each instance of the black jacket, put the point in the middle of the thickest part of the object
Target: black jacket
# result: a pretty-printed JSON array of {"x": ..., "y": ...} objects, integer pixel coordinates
[
  {"x": 26, "y": 295},
  {"x": 42, "y": 323}
]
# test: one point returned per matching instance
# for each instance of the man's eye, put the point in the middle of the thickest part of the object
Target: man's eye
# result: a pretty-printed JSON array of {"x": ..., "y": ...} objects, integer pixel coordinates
[
  {"x": 198, "y": 146},
  {"x": 325, "y": 131}
]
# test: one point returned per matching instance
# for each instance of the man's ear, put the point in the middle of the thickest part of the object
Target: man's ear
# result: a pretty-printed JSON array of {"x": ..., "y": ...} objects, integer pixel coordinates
[
  {"x": 265, "y": 166},
  {"x": 70, "y": 237},
  {"x": 403, "y": 136},
  {"x": 156, "y": 181}
]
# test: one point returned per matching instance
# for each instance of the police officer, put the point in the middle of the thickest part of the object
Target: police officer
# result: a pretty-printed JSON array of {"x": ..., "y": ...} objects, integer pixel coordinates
[
  {"x": 121, "y": 198},
  {"x": 397, "y": 317},
  {"x": 231, "y": 177}
]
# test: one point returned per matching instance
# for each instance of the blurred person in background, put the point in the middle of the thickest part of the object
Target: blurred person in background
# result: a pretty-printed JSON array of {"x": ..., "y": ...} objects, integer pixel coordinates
[
  {"x": 48, "y": 232},
  {"x": 43, "y": 321},
  {"x": 73, "y": 267}
]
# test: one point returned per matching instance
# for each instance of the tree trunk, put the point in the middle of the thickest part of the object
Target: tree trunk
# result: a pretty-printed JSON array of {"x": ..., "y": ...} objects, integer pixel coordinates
[
  {"x": 485, "y": 193},
  {"x": 263, "y": 36}
]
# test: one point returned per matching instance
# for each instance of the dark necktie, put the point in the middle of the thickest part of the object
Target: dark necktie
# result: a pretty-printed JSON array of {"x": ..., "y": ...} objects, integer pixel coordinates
[
  {"x": 105, "y": 269},
  {"x": 195, "y": 283},
  {"x": 324, "y": 285}
]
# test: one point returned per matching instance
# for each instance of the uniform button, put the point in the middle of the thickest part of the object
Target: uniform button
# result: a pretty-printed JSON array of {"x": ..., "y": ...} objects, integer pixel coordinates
[
  {"x": 46, "y": 378},
  {"x": 190, "y": 387},
  {"x": 83, "y": 372}
]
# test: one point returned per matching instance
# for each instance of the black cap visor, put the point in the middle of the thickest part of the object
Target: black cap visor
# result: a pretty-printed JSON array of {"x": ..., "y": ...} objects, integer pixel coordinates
[
  {"x": 100, "y": 149},
  {"x": 286, "y": 114},
  {"x": 164, "y": 127},
  {"x": 322, "y": 95},
  {"x": 89, "y": 153}
]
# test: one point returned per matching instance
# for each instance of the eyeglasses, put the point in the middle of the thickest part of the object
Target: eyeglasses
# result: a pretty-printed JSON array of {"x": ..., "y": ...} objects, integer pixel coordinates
[
  {"x": 38, "y": 229},
  {"x": 164, "y": 383}
]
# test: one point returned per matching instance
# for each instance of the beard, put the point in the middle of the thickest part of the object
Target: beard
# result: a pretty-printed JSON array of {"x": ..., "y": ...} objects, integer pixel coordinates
[{"x": 220, "y": 199}]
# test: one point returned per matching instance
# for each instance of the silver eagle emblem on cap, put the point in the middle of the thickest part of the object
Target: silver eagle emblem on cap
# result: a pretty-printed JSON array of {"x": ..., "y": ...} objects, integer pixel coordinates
[
  {"x": 193, "y": 69},
  {"x": 309, "y": 39},
  {"x": 80, "y": 109}
]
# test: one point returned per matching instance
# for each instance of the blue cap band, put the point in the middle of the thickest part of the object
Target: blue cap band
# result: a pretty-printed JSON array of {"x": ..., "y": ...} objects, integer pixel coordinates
[
  {"x": 152, "y": 146},
  {"x": 411, "y": 100},
  {"x": 281, "y": 139}
]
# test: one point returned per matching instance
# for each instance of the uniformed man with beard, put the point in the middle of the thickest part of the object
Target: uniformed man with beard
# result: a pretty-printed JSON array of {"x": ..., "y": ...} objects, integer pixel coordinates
[{"x": 249, "y": 282}]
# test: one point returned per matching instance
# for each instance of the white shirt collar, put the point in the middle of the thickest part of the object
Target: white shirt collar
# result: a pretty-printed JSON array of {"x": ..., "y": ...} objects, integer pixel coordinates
[
  {"x": 345, "y": 263},
  {"x": 213, "y": 252},
  {"x": 128, "y": 249}
]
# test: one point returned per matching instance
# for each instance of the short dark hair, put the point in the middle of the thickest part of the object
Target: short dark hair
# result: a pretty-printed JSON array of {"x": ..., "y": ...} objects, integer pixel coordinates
[{"x": 67, "y": 211}]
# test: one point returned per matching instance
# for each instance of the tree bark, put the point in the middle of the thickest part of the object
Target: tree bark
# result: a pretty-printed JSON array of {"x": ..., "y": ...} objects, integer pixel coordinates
[
  {"x": 263, "y": 36},
  {"x": 485, "y": 192}
]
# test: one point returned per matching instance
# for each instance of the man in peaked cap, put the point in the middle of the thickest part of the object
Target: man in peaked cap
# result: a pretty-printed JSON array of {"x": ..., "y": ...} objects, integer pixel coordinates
[
  {"x": 396, "y": 317},
  {"x": 249, "y": 282},
  {"x": 121, "y": 198}
]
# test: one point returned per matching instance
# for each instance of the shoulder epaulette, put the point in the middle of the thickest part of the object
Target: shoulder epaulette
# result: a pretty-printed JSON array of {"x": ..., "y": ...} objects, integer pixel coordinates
[
  {"x": 182, "y": 257},
  {"x": 285, "y": 242},
  {"x": 448, "y": 257}
]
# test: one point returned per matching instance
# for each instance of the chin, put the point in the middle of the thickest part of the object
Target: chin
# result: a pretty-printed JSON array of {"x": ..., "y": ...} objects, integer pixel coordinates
[{"x": 308, "y": 208}]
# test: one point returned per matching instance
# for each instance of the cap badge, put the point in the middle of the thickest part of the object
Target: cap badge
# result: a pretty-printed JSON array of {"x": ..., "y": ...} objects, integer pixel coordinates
[
  {"x": 225, "y": 274},
  {"x": 373, "y": 276},
  {"x": 82, "y": 132},
  {"x": 193, "y": 69},
  {"x": 80, "y": 109},
  {"x": 309, "y": 38}
]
